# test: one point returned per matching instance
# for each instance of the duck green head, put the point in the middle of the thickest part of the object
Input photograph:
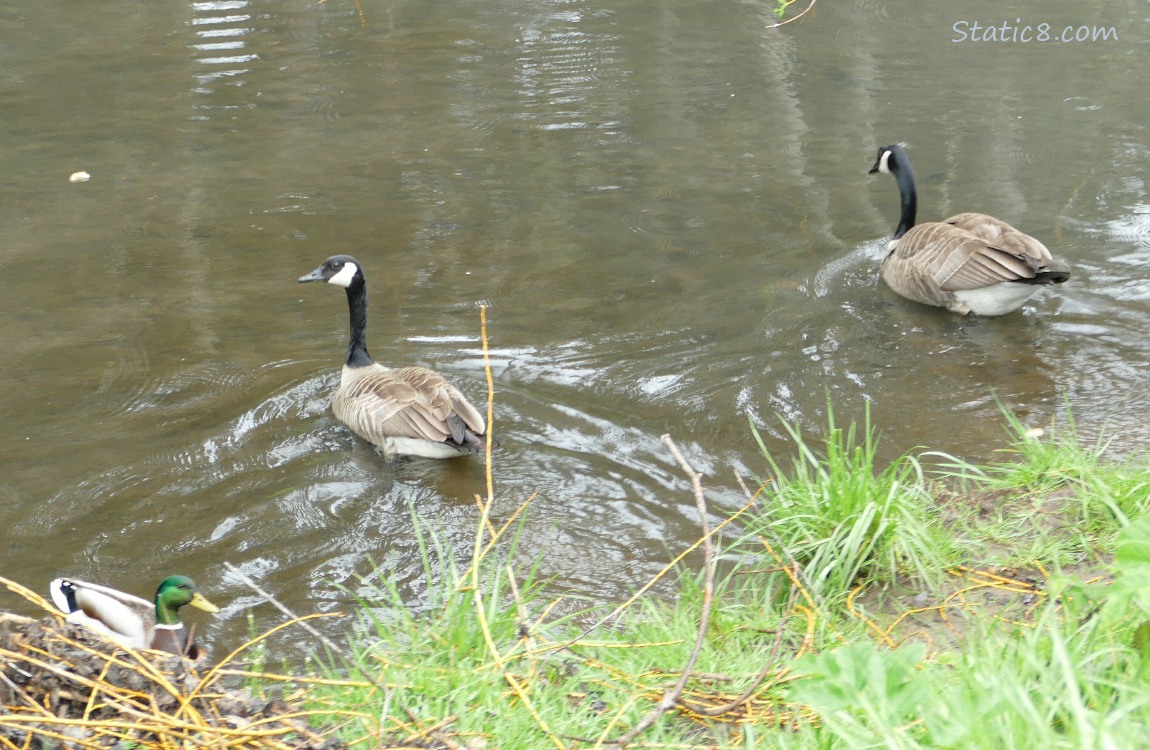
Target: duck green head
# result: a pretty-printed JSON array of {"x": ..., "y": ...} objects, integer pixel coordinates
[{"x": 175, "y": 592}]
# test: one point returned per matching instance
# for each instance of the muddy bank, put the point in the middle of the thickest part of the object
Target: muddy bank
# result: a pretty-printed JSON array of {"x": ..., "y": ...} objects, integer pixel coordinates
[{"x": 61, "y": 684}]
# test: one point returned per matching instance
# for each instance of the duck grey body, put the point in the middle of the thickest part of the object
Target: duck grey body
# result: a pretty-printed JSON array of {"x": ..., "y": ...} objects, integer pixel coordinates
[
  {"x": 130, "y": 620},
  {"x": 970, "y": 263},
  {"x": 409, "y": 411}
]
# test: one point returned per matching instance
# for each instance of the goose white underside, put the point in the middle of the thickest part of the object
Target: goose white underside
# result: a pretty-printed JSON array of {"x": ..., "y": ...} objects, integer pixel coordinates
[
  {"x": 997, "y": 299},
  {"x": 404, "y": 446}
]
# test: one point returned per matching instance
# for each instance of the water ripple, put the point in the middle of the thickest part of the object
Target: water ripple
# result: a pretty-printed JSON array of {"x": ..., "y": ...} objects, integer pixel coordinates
[
  {"x": 559, "y": 72},
  {"x": 1132, "y": 228},
  {"x": 181, "y": 395}
]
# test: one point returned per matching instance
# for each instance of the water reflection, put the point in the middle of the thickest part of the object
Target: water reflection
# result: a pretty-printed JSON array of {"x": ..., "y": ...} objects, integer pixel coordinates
[
  {"x": 219, "y": 29},
  {"x": 667, "y": 211}
]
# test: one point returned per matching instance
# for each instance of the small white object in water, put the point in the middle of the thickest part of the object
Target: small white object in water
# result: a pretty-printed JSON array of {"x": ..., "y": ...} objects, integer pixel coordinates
[
  {"x": 1034, "y": 433},
  {"x": 80, "y": 176}
]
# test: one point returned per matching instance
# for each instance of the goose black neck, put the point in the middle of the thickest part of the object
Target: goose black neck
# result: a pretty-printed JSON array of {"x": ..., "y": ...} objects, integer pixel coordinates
[
  {"x": 357, "y": 355},
  {"x": 904, "y": 175}
]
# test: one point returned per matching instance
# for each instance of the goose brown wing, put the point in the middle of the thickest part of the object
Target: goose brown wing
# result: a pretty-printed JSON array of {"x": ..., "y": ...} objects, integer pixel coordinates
[
  {"x": 447, "y": 398},
  {"x": 1000, "y": 234},
  {"x": 408, "y": 402},
  {"x": 956, "y": 259}
]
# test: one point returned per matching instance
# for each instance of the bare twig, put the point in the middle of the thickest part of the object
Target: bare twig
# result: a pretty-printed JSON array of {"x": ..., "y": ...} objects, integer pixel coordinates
[
  {"x": 29, "y": 701},
  {"x": 435, "y": 731},
  {"x": 490, "y": 402},
  {"x": 768, "y": 666},
  {"x": 479, "y": 550},
  {"x": 329, "y": 643},
  {"x": 654, "y": 579},
  {"x": 805, "y": 11},
  {"x": 672, "y": 697},
  {"x": 282, "y": 608}
]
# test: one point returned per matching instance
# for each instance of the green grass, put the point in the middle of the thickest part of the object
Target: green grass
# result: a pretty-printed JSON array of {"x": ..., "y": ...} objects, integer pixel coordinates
[
  {"x": 1058, "y": 498},
  {"x": 809, "y": 616},
  {"x": 1074, "y": 677},
  {"x": 846, "y": 520}
]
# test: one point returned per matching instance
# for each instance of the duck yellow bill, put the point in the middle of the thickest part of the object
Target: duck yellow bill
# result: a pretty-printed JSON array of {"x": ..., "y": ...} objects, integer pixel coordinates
[{"x": 199, "y": 602}]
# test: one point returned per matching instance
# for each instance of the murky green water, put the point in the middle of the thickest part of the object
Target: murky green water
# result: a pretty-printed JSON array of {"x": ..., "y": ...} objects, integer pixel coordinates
[{"x": 665, "y": 206}]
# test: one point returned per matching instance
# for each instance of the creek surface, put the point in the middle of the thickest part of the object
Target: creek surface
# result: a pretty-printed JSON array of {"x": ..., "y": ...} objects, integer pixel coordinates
[{"x": 665, "y": 207}]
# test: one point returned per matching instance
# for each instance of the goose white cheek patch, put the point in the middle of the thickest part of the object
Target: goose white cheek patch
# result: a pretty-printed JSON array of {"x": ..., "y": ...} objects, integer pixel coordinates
[
  {"x": 883, "y": 166},
  {"x": 345, "y": 275}
]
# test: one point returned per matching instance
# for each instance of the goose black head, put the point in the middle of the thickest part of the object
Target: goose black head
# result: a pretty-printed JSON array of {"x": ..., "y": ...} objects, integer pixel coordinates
[
  {"x": 341, "y": 270},
  {"x": 890, "y": 160}
]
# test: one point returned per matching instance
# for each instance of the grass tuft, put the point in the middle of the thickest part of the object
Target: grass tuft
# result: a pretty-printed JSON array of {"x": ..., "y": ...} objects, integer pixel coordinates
[{"x": 845, "y": 519}]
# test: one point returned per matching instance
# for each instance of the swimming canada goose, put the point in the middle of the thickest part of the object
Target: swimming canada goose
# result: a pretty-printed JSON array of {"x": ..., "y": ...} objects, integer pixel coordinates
[
  {"x": 970, "y": 263},
  {"x": 409, "y": 411},
  {"x": 130, "y": 620}
]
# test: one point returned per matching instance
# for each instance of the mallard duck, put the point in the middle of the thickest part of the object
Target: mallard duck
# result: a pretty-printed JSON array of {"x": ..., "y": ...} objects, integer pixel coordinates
[
  {"x": 130, "y": 620},
  {"x": 409, "y": 411},
  {"x": 970, "y": 263}
]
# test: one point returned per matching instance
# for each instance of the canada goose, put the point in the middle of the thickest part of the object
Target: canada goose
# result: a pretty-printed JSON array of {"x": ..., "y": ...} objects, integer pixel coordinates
[
  {"x": 408, "y": 411},
  {"x": 970, "y": 263},
  {"x": 130, "y": 620}
]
